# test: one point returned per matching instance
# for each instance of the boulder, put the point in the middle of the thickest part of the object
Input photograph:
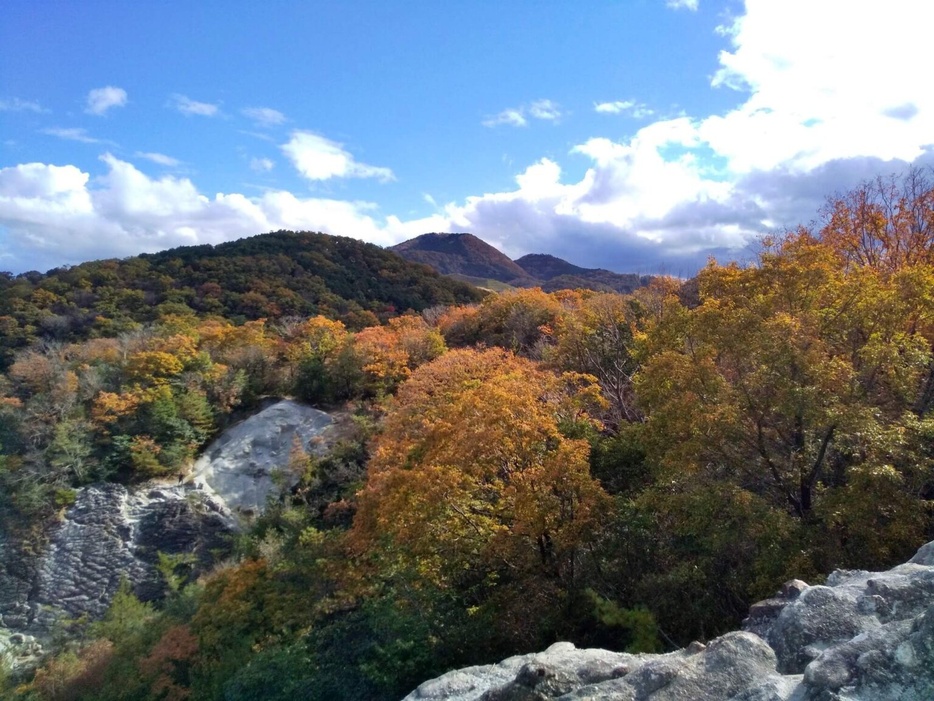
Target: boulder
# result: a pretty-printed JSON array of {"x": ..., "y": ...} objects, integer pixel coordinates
[{"x": 249, "y": 462}]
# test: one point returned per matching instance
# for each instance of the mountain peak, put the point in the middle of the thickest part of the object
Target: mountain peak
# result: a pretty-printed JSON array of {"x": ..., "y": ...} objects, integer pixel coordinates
[{"x": 460, "y": 254}]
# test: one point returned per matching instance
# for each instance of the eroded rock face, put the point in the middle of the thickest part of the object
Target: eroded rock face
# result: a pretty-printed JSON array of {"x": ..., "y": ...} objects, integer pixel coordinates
[
  {"x": 109, "y": 534},
  {"x": 862, "y": 636}
]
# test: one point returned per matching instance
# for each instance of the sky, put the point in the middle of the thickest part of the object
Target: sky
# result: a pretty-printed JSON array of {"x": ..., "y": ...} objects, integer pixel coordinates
[{"x": 634, "y": 135}]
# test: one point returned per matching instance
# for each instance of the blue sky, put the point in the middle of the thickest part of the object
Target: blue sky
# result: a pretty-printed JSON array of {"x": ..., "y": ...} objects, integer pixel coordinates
[{"x": 637, "y": 135}]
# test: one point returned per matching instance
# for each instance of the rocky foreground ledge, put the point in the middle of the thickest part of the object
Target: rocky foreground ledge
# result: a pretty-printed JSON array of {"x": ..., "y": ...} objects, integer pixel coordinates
[{"x": 864, "y": 636}]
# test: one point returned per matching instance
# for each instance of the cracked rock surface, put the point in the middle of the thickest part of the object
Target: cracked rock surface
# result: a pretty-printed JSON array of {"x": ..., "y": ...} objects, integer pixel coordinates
[
  {"x": 111, "y": 532},
  {"x": 863, "y": 636},
  {"x": 108, "y": 534}
]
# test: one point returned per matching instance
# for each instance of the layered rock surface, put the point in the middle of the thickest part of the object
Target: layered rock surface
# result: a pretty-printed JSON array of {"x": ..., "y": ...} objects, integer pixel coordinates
[
  {"x": 111, "y": 533},
  {"x": 863, "y": 636},
  {"x": 108, "y": 534}
]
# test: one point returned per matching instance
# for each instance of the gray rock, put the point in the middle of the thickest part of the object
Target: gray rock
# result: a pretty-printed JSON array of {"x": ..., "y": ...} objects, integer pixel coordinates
[
  {"x": 924, "y": 556},
  {"x": 109, "y": 534},
  {"x": 727, "y": 666},
  {"x": 820, "y": 617},
  {"x": 864, "y": 636},
  {"x": 561, "y": 664},
  {"x": 762, "y": 614},
  {"x": 248, "y": 463}
]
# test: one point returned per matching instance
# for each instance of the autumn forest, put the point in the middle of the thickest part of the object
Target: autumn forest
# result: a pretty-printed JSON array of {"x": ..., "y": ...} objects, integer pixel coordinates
[{"x": 621, "y": 471}]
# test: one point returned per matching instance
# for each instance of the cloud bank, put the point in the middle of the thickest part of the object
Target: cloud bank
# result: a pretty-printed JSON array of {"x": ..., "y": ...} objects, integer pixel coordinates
[{"x": 59, "y": 214}]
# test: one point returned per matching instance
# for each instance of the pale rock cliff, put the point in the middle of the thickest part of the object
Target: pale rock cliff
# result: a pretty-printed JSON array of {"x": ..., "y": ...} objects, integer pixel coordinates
[{"x": 111, "y": 532}]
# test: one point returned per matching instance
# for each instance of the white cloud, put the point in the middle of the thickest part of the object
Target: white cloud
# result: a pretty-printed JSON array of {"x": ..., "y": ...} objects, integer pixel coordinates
[
  {"x": 824, "y": 81},
  {"x": 102, "y": 99},
  {"x": 318, "y": 158},
  {"x": 617, "y": 107},
  {"x": 159, "y": 158},
  {"x": 545, "y": 110},
  {"x": 72, "y": 134},
  {"x": 52, "y": 215},
  {"x": 17, "y": 105},
  {"x": 825, "y": 95},
  {"x": 188, "y": 107},
  {"x": 261, "y": 165},
  {"x": 630, "y": 107},
  {"x": 512, "y": 117},
  {"x": 682, "y": 5},
  {"x": 264, "y": 116}
]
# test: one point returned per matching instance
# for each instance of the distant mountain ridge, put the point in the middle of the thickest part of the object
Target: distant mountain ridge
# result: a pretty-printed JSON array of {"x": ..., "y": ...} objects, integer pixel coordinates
[{"x": 466, "y": 255}]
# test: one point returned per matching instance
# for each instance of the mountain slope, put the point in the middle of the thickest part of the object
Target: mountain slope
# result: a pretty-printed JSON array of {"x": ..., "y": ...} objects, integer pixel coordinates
[
  {"x": 466, "y": 255},
  {"x": 461, "y": 254}
]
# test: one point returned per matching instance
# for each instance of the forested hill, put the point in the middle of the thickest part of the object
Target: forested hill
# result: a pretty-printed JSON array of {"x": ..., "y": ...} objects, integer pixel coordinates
[{"x": 270, "y": 275}]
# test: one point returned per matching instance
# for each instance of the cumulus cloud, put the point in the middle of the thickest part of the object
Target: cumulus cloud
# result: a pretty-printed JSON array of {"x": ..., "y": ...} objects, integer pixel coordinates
[
  {"x": 100, "y": 100},
  {"x": 17, "y": 105},
  {"x": 545, "y": 110},
  {"x": 824, "y": 82},
  {"x": 264, "y": 116},
  {"x": 815, "y": 112},
  {"x": 318, "y": 158},
  {"x": 188, "y": 107},
  {"x": 72, "y": 134},
  {"x": 159, "y": 158},
  {"x": 52, "y": 215}
]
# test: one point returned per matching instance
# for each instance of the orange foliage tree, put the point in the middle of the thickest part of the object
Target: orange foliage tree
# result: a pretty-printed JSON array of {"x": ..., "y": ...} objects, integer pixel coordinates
[{"x": 473, "y": 474}]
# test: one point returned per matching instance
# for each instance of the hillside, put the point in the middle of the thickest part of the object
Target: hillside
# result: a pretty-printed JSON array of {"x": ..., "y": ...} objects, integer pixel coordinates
[
  {"x": 461, "y": 254},
  {"x": 271, "y": 275},
  {"x": 467, "y": 256}
]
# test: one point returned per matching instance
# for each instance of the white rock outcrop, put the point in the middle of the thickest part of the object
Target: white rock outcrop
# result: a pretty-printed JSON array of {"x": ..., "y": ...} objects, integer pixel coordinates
[
  {"x": 249, "y": 462},
  {"x": 862, "y": 636}
]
